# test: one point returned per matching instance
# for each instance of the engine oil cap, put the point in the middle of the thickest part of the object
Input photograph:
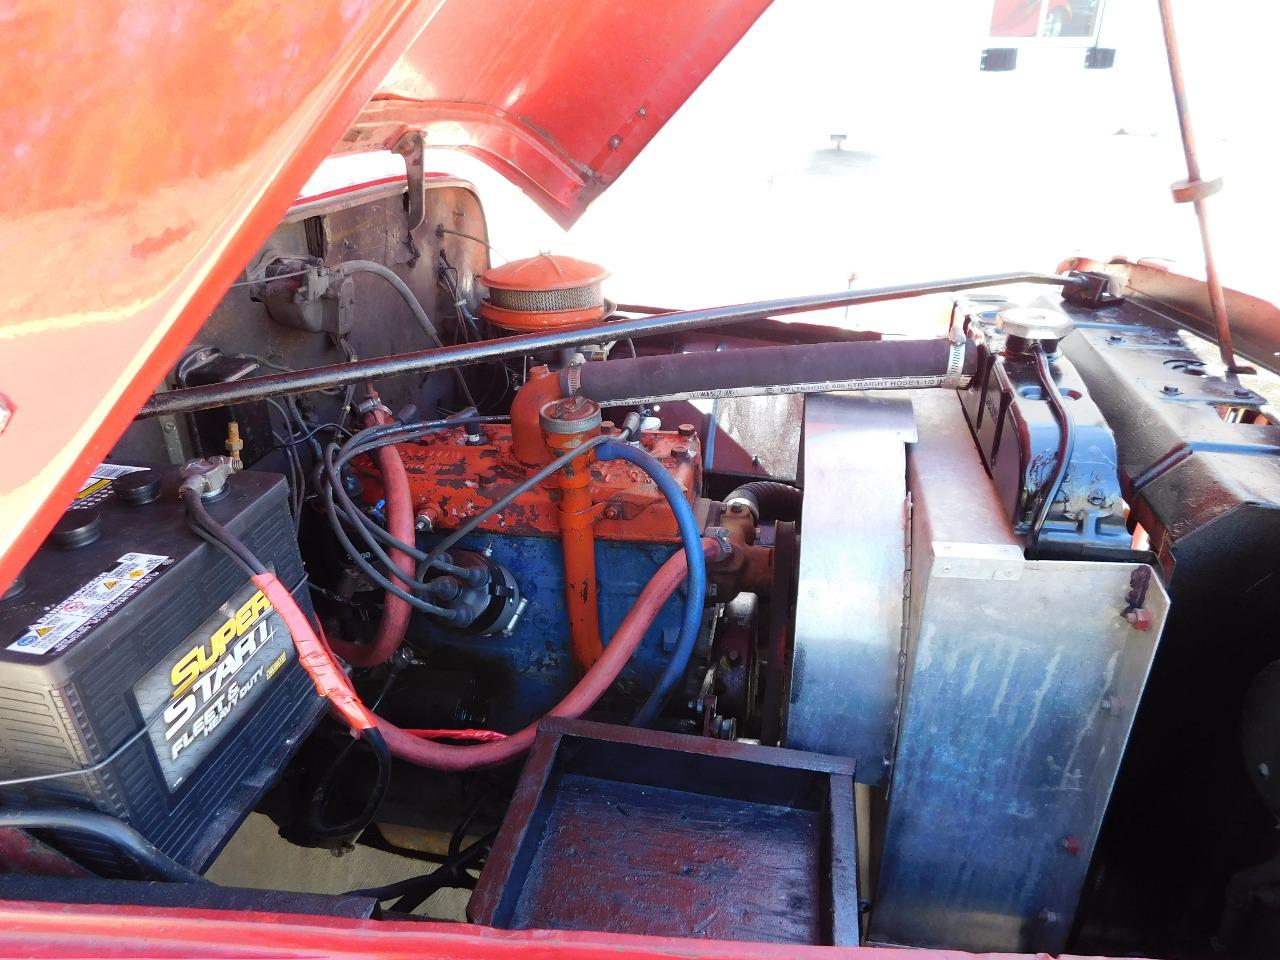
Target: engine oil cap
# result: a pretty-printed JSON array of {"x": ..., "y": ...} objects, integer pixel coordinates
[
  {"x": 76, "y": 528},
  {"x": 138, "y": 488}
]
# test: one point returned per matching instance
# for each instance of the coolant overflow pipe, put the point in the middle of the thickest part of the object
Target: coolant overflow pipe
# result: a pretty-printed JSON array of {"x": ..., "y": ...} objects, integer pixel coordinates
[
  {"x": 807, "y": 368},
  {"x": 697, "y": 585}
]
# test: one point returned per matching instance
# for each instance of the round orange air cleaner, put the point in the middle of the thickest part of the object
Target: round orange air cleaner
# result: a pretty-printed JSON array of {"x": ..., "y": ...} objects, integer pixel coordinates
[{"x": 545, "y": 292}]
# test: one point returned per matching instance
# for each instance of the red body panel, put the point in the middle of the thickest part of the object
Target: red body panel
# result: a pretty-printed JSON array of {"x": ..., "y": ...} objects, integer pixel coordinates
[
  {"x": 55, "y": 931},
  {"x": 561, "y": 94},
  {"x": 149, "y": 149}
]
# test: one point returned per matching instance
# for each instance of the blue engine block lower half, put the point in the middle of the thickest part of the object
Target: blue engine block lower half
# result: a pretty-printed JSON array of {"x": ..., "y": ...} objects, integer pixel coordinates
[{"x": 518, "y": 678}]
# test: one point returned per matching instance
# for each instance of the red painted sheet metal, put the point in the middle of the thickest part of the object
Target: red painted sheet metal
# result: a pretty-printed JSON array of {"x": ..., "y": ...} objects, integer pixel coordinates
[
  {"x": 55, "y": 931},
  {"x": 561, "y": 94},
  {"x": 147, "y": 150}
]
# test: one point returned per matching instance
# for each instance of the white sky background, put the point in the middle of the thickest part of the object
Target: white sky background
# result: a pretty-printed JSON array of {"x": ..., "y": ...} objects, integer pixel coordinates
[{"x": 946, "y": 171}]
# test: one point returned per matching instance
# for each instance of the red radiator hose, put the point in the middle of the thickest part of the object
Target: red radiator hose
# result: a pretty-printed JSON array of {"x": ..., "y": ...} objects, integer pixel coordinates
[
  {"x": 593, "y": 684},
  {"x": 399, "y": 513}
]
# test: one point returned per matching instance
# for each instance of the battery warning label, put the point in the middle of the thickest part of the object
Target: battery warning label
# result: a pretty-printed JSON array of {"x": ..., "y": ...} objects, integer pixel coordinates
[
  {"x": 98, "y": 487},
  {"x": 66, "y": 622},
  {"x": 197, "y": 694}
]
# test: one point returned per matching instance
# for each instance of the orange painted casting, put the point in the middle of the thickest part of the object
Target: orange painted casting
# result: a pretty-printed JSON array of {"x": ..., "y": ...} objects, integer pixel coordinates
[
  {"x": 541, "y": 388},
  {"x": 577, "y": 517},
  {"x": 451, "y": 481}
]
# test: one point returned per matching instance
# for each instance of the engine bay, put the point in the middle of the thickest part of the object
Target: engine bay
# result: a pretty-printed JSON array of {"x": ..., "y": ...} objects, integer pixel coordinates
[{"x": 707, "y": 624}]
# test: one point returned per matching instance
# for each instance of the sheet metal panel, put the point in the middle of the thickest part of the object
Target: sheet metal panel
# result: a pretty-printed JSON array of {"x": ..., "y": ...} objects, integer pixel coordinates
[
  {"x": 1021, "y": 685},
  {"x": 849, "y": 606}
]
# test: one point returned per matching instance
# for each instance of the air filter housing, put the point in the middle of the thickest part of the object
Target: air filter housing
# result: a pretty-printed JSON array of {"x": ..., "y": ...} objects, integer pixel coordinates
[{"x": 545, "y": 292}]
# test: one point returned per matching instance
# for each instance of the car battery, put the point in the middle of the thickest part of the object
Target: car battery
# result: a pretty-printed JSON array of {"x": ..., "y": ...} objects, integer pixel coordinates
[{"x": 142, "y": 674}]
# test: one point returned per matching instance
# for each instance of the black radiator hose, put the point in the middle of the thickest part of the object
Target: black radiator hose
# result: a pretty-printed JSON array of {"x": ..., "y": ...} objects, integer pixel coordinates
[
  {"x": 768, "y": 500},
  {"x": 806, "y": 368}
]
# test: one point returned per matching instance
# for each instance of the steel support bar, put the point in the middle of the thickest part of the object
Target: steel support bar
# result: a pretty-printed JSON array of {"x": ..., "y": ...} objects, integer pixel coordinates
[
  {"x": 1196, "y": 190},
  {"x": 440, "y": 358}
]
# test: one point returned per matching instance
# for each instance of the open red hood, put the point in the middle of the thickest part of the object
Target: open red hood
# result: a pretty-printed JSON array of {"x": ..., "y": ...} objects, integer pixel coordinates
[{"x": 150, "y": 148}]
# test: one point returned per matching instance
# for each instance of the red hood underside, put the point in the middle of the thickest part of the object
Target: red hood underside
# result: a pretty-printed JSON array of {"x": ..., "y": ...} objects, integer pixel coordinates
[{"x": 149, "y": 149}]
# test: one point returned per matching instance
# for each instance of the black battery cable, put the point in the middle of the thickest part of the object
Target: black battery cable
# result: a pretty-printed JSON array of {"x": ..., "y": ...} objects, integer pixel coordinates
[
  {"x": 1066, "y": 443},
  {"x": 330, "y": 682}
]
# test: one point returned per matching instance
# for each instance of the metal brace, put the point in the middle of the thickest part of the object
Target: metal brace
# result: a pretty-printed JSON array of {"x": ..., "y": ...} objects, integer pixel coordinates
[{"x": 411, "y": 147}]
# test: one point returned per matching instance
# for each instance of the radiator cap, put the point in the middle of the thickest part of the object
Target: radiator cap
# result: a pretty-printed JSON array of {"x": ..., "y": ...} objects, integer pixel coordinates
[{"x": 1034, "y": 323}]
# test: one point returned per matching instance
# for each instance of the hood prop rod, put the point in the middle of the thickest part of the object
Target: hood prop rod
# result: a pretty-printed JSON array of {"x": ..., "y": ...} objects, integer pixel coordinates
[
  {"x": 1195, "y": 190},
  {"x": 191, "y": 399}
]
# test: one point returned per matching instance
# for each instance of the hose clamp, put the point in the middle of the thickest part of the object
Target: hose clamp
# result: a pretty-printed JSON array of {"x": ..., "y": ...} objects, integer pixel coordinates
[
  {"x": 367, "y": 406},
  {"x": 721, "y": 536},
  {"x": 952, "y": 379},
  {"x": 573, "y": 375}
]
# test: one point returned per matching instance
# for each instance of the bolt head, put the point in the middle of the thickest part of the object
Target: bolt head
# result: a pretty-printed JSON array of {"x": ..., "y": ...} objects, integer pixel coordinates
[
  {"x": 1140, "y": 618},
  {"x": 1170, "y": 390},
  {"x": 686, "y": 430}
]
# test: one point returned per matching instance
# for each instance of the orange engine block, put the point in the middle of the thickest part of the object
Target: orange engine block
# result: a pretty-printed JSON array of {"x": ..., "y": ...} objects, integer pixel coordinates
[{"x": 453, "y": 477}]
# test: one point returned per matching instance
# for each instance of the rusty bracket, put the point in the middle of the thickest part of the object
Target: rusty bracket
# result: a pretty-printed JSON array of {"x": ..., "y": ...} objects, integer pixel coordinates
[
  {"x": 411, "y": 147},
  {"x": 588, "y": 517},
  {"x": 1135, "y": 611}
]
